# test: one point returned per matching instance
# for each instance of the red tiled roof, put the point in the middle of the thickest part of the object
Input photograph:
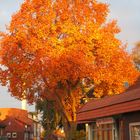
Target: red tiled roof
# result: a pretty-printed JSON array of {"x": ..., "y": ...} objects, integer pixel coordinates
[
  {"x": 111, "y": 105},
  {"x": 25, "y": 120},
  {"x": 12, "y": 124},
  {"x": 19, "y": 114},
  {"x": 17, "y": 117},
  {"x": 15, "y": 112}
]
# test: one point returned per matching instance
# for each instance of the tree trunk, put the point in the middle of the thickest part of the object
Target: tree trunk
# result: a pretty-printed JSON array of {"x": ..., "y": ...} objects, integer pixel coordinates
[
  {"x": 68, "y": 119},
  {"x": 70, "y": 130}
]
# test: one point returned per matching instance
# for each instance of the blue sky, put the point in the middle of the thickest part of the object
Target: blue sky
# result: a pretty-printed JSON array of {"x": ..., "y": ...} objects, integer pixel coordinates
[{"x": 126, "y": 12}]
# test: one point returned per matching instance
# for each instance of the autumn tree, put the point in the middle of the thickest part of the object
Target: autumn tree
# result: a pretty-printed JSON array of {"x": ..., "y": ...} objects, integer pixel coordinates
[
  {"x": 136, "y": 55},
  {"x": 52, "y": 46}
]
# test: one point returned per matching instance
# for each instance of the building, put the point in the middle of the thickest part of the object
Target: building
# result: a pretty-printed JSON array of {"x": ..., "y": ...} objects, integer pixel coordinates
[
  {"x": 17, "y": 124},
  {"x": 36, "y": 125},
  {"x": 114, "y": 117}
]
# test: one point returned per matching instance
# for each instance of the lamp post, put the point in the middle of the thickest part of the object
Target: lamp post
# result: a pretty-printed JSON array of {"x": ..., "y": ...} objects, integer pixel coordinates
[{"x": 26, "y": 134}]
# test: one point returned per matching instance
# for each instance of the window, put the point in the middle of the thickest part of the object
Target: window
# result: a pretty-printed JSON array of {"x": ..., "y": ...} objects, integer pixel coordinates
[
  {"x": 8, "y": 135},
  {"x": 103, "y": 129},
  {"x": 134, "y": 131},
  {"x": 103, "y": 132},
  {"x": 14, "y": 135}
]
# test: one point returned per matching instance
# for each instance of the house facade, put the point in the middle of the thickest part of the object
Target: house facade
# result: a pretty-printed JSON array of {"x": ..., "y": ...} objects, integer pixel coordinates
[
  {"x": 113, "y": 118},
  {"x": 17, "y": 125}
]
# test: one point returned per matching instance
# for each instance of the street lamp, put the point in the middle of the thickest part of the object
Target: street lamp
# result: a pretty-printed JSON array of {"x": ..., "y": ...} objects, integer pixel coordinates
[{"x": 25, "y": 135}]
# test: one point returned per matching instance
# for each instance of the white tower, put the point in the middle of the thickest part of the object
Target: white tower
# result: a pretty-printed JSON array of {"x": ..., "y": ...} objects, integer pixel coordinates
[
  {"x": 24, "y": 101},
  {"x": 24, "y": 104}
]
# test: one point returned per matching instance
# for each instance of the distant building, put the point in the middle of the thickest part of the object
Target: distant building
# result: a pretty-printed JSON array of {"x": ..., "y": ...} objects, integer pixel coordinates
[
  {"x": 17, "y": 124},
  {"x": 36, "y": 125},
  {"x": 113, "y": 118}
]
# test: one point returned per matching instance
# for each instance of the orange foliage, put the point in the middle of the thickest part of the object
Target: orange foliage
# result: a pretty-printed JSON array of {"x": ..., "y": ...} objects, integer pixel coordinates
[{"x": 52, "y": 46}]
